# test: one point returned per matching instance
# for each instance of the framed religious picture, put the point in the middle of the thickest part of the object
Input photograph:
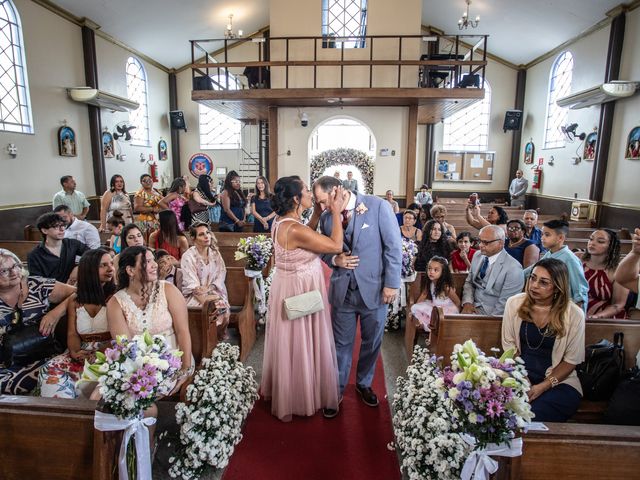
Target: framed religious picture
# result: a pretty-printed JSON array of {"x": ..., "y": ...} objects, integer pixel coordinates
[
  {"x": 590, "y": 146},
  {"x": 632, "y": 151},
  {"x": 200, "y": 164},
  {"x": 107, "y": 145},
  {"x": 67, "y": 142},
  {"x": 529, "y": 152},
  {"x": 163, "y": 152}
]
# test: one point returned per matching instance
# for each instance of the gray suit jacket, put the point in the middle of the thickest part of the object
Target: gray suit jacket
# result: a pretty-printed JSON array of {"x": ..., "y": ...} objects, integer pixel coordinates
[
  {"x": 351, "y": 185},
  {"x": 504, "y": 280},
  {"x": 379, "y": 247}
]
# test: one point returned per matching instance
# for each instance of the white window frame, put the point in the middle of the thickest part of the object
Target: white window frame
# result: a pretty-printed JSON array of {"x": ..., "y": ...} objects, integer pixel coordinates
[
  {"x": 15, "y": 101},
  {"x": 344, "y": 19},
  {"x": 213, "y": 125},
  {"x": 560, "y": 78},
  {"x": 138, "y": 91},
  {"x": 467, "y": 124}
]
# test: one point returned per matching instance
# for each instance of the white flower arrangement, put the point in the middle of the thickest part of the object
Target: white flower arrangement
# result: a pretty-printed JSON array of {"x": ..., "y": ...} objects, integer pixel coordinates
[
  {"x": 218, "y": 401},
  {"x": 344, "y": 156},
  {"x": 425, "y": 424}
]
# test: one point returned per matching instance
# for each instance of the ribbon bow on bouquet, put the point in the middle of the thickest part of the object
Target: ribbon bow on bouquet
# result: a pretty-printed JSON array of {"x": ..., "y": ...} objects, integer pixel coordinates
[{"x": 479, "y": 464}]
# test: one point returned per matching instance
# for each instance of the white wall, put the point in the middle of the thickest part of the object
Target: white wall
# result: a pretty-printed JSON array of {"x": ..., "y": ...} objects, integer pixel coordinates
[
  {"x": 564, "y": 179},
  {"x": 112, "y": 61},
  {"x": 53, "y": 49},
  {"x": 621, "y": 186}
]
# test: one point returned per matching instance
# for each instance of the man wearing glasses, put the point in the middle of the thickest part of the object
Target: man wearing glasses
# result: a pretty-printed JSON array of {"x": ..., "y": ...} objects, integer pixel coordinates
[
  {"x": 56, "y": 256},
  {"x": 494, "y": 275}
]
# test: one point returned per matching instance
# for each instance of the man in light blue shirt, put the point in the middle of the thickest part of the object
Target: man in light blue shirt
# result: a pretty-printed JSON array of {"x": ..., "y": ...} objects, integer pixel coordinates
[
  {"x": 71, "y": 197},
  {"x": 554, "y": 233}
]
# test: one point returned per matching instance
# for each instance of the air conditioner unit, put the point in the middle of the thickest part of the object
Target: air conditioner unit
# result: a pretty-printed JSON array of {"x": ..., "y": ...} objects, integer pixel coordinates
[
  {"x": 101, "y": 99},
  {"x": 607, "y": 92}
]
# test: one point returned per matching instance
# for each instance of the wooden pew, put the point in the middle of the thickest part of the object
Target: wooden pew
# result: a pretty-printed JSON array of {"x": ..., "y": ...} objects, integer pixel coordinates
[
  {"x": 54, "y": 439},
  {"x": 202, "y": 327},
  {"x": 31, "y": 233},
  {"x": 240, "y": 291},
  {"x": 20, "y": 247},
  {"x": 228, "y": 243},
  {"x": 581, "y": 243}
]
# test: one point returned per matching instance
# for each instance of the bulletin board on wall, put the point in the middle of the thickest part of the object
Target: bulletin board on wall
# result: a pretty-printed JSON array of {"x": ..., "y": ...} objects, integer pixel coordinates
[{"x": 454, "y": 166}]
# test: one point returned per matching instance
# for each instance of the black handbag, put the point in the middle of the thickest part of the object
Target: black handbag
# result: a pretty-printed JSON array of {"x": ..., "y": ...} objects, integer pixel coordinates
[
  {"x": 602, "y": 368},
  {"x": 25, "y": 345},
  {"x": 624, "y": 406}
]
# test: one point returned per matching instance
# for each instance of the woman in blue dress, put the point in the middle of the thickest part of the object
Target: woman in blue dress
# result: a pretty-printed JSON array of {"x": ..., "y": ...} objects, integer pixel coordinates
[
  {"x": 547, "y": 330},
  {"x": 261, "y": 206},
  {"x": 232, "y": 217}
]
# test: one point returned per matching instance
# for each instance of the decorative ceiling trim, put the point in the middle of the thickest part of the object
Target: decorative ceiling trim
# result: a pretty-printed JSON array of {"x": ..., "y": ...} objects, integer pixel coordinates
[{"x": 87, "y": 22}]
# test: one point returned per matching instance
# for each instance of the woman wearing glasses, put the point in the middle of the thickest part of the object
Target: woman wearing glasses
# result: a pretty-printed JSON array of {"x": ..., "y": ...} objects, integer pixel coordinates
[
  {"x": 233, "y": 202},
  {"x": 547, "y": 330},
  {"x": 24, "y": 302}
]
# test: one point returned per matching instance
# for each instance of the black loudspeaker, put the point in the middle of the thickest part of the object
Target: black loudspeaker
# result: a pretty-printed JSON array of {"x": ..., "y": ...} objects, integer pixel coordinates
[
  {"x": 176, "y": 120},
  {"x": 202, "y": 83},
  {"x": 512, "y": 120}
]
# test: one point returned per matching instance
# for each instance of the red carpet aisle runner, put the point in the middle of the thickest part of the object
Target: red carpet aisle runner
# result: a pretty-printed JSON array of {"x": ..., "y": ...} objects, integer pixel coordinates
[{"x": 352, "y": 446}]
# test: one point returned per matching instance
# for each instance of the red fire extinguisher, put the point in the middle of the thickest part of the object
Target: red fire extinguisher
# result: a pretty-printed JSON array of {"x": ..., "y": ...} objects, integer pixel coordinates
[
  {"x": 153, "y": 168},
  {"x": 537, "y": 177}
]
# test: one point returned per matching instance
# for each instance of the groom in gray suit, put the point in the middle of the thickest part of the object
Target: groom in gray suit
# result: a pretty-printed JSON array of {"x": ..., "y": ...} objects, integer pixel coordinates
[{"x": 365, "y": 278}]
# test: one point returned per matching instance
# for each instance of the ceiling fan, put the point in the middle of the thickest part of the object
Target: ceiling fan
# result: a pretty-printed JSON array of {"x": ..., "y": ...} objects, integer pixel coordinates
[{"x": 122, "y": 130}]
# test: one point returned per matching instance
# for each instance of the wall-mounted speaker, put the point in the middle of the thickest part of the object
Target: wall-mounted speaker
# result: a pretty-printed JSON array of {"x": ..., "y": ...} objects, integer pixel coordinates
[
  {"x": 176, "y": 120},
  {"x": 512, "y": 120}
]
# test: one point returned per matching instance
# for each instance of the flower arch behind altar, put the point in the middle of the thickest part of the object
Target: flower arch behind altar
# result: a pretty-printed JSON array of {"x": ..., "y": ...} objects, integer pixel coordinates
[{"x": 344, "y": 156}]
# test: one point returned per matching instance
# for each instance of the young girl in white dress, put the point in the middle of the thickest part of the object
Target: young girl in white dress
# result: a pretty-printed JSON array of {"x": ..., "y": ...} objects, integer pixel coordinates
[{"x": 439, "y": 291}]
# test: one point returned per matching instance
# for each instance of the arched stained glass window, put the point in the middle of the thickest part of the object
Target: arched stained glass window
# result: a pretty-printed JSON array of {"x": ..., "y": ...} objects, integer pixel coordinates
[
  {"x": 15, "y": 105},
  {"x": 137, "y": 91},
  {"x": 559, "y": 86}
]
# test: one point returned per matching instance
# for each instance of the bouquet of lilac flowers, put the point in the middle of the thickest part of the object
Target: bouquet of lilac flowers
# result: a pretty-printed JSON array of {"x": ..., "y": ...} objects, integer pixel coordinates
[
  {"x": 256, "y": 250},
  {"x": 488, "y": 393},
  {"x": 133, "y": 373},
  {"x": 409, "y": 252}
]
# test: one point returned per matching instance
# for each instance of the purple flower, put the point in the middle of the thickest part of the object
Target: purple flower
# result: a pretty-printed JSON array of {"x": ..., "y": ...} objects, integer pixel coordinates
[
  {"x": 494, "y": 409},
  {"x": 174, "y": 362}
]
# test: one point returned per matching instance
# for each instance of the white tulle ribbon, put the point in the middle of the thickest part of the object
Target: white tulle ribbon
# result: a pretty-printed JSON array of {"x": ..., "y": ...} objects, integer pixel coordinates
[
  {"x": 258, "y": 288},
  {"x": 106, "y": 422},
  {"x": 401, "y": 299},
  {"x": 479, "y": 464}
]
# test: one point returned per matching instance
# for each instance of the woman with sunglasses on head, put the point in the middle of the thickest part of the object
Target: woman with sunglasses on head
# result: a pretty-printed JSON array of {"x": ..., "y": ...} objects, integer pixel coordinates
[
  {"x": 546, "y": 329},
  {"x": 25, "y": 302},
  {"x": 87, "y": 328}
]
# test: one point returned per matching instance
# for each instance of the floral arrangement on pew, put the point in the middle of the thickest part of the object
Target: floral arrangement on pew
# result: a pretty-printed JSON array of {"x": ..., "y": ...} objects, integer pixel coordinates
[
  {"x": 256, "y": 251},
  {"x": 408, "y": 275},
  {"x": 448, "y": 421},
  {"x": 218, "y": 401},
  {"x": 267, "y": 290},
  {"x": 131, "y": 375}
]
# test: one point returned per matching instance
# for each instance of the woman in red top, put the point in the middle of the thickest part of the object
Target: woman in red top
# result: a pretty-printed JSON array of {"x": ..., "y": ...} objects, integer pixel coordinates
[
  {"x": 461, "y": 257},
  {"x": 168, "y": 237}
]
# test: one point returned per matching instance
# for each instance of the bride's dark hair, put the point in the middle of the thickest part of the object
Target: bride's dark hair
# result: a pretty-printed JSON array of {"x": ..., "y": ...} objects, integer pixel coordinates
[{"x": 285, "y": 191}]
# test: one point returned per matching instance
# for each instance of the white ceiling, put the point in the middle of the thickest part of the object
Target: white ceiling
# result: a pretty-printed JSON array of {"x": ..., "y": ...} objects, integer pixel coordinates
[{"x": 519, "y": 30}]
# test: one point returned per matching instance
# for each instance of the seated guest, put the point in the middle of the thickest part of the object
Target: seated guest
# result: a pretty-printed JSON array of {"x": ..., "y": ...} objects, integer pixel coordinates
[
  {"x": 494, "y": 275},
  {"x": 547, "y": 331},
  {"x": 424, "y": 215},
  {"x": 415, "y": 208},
  {"x": 144, "y": 303},
  {"x": 439, "y": 213},
  {"x": 77, "y": 229},
  {"x": 167, "y": 269},
  {"x": 168, "y": 237},
  {"x": 423, "y": 197},
  {"x": 261, "y": 209},
  {"x": 434, "y": 242},
  {"x": 554, "y": 233},
  {"x": 523, "y": 250},
  {"x": 628, "y": 273},
  {"x": 56, "y": 256},
  {"x": 497, "y": 216},
  {"x": 607, "y": 298},
  {"x": 203, "y": 275},
  {"x": 203, "y": 196},
  {"x": 408, "y": 229},
  {"x": 25, "y": 300},
  {"x": 131, "y": 236},
  {"x": 116, "y": 198},
  {"x": 439, "y": 291},
  {"x": 389, "y": 198},
  {"x": 146, "y": 203},
  {"x": 461, "y": 257},
  {"x": 532, "y": 232},
  {"x": 116, "y": 225},
  {"x": 87, "y": 328}
]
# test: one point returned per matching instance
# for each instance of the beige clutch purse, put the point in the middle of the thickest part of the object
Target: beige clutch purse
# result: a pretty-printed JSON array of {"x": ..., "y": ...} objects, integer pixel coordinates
[{"x": 304, "y": 304}]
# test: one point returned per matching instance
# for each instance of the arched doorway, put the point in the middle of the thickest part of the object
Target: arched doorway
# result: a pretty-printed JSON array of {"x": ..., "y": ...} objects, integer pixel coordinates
[{"x": 343, "y": 144}]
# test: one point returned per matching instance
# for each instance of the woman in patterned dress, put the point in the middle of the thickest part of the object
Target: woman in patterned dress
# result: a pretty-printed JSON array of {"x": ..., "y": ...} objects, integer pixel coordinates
[
  {"x": 116, "y": 198},
  {"x": 26, "y": 299},
  {"x": 145, "y": 203},
  {"x": 88, "y": 330},
  {"x": 176, "y": 199},
  {"x": 204, "y": 196}
]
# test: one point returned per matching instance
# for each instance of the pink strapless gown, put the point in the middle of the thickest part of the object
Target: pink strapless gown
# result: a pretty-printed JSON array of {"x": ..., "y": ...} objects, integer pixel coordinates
[{"x": 300, "y": 370}]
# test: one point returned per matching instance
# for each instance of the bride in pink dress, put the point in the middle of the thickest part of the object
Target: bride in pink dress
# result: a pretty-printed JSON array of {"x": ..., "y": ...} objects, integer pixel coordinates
[{"x": 300, "y": 370}]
